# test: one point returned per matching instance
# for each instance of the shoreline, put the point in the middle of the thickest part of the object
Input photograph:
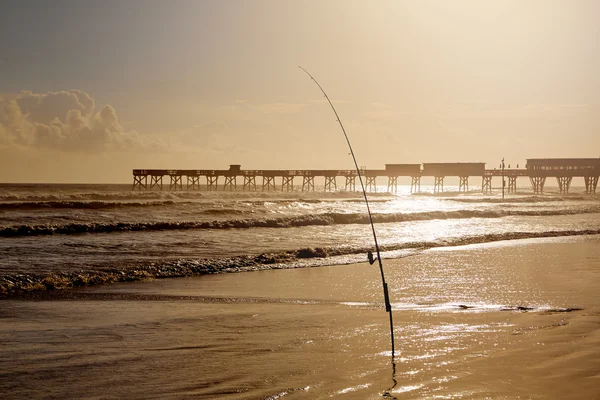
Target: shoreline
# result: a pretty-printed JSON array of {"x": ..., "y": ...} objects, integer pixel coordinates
[{"x": 57, "y": 286}]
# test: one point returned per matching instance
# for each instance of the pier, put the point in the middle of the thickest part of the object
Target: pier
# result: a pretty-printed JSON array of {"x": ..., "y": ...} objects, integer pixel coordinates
[{"x": 235, "y": 178}]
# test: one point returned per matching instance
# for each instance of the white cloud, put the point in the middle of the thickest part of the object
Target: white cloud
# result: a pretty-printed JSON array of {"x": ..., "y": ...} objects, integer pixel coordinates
[{"x": 65, "y": 120}]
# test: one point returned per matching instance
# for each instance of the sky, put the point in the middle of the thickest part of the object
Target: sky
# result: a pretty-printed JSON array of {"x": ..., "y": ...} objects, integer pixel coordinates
[{"x": 91, "y": 89}]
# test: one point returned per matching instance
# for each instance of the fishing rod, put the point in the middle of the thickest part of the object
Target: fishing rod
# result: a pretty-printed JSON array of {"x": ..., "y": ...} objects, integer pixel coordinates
[{"x": 386, "y": 296}]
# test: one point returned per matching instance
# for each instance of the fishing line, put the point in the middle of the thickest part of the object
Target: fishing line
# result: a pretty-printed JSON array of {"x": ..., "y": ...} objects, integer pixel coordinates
[{"x": 386, "y": 296}]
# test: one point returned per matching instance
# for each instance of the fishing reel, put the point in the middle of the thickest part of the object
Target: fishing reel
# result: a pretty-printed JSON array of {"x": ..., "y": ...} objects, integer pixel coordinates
[{"x": 371, "y": 258}]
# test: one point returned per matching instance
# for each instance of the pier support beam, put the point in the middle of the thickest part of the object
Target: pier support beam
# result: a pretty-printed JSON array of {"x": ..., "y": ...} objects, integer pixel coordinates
[
  {"x": 212, "y": 182},
  {"x": 591, "y": 183},
  {"x": 308, "y": 184},
  {"x": 537, "y": 183},
  {"x": 438, "y": 185},
  {"x": 156, "y": 181},
  {"x": 176, "y": 182},
  {"x": 486, "y": 184},
  {"x": 463, "y": 184},
  {"x": 250, "y": 182},
  {"x": 350, "y": 184},
  {"x": 193, "y": 182},
  {"x": 268, "y": 183},
  {"x": 330, "y": 184},
  {"x": 371, "y": 185},
  {"x": 287, "y": 183},
  {"x": 392, "y": 184},
  {"x": 141, "y": 181},
  {"x": 230, "y": 183},
  {"x": 415, "y": 184},
  {"x": 512, "y": 184},
  {"x": 564, "y": 183}
]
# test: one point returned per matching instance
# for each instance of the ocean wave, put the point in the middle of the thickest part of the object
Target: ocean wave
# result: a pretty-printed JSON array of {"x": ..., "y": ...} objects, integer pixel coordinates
[
  {"x": 225, "y": 211},
  {"x": 85, "y": 205},
  {"x": 94, "y": 201},
  {"x": 153, "y": 199},
  {"x": 128, "y": 203},
  {"x": 98, "y": 196},
  {"x": 113, "y": 204},
  {"x": 524, "y": 199},
  {"x": 19, "y": 283},
  {"x": 102, "y": 205},
  {"x": 181, "y": 195},
  {"x": 324, "y": 219}
]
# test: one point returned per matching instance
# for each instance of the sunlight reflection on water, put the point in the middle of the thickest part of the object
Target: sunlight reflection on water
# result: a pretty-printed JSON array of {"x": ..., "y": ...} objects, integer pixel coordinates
[
  {"x": 353, "y": 388},
  {"x": 408, "y": 388}
]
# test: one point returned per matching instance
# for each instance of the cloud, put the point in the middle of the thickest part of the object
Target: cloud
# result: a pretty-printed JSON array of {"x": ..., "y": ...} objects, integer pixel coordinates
[
  {"x": 44, "y": 108},
  {"x": 65, "y": 120}
]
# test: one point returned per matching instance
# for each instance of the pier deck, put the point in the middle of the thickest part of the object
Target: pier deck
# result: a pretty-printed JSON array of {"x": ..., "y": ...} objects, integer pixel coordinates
[{"x": 537, "y": 170}]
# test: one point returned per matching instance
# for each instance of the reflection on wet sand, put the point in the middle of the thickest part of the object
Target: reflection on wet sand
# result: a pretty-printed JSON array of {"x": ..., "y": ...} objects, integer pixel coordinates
[{"x": 524, "y": 326}]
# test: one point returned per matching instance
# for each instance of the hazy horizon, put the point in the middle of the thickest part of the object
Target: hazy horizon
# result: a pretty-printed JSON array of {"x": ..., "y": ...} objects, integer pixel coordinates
[{"x": 91, "y": 90}]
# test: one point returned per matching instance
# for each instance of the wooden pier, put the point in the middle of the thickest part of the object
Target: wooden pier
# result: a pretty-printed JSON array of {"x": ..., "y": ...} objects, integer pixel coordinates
[{"x": 537, "y": 170}]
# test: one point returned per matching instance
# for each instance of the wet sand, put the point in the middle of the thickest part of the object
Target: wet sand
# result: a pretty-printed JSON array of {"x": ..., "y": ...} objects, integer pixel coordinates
[{"x": 508, "y": 320}]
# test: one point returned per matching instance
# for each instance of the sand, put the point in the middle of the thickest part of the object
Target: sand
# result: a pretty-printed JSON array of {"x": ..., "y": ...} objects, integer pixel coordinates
[{"x": 531, "y": 329}]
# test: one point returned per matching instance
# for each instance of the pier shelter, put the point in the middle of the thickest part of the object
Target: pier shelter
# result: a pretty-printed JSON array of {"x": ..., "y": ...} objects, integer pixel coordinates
[
  {"x": 462, "y": 170},
  {"x": 393, "y": 171},
  {"x": 564, "y": 170}
]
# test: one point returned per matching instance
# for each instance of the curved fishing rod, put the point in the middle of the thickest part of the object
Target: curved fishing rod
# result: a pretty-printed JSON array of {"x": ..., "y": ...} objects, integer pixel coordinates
[{"x": 388, "y": 306}]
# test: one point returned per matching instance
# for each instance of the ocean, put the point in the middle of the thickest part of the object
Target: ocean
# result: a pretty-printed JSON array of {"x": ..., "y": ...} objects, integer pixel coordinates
[
  {"x": 492, "y": 297},
  {"x": 91, "y": 233}
]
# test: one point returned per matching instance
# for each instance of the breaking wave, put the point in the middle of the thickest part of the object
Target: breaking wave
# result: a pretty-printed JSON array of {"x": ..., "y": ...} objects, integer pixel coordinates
[
  {"x": 324, "y": 219},
  {"x": 110, "y": 203},
  {"x": 85, "y": 205},
  {"x": 305, "y": 257},
  {"x": 182, "y": 195},
  {"x": 525, "y": 199}
]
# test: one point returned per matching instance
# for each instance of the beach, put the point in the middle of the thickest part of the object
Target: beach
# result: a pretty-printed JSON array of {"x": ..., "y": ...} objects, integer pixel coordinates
[
  {"x": 504, "y": 320},
  {"x": 273, "y": 200}
]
